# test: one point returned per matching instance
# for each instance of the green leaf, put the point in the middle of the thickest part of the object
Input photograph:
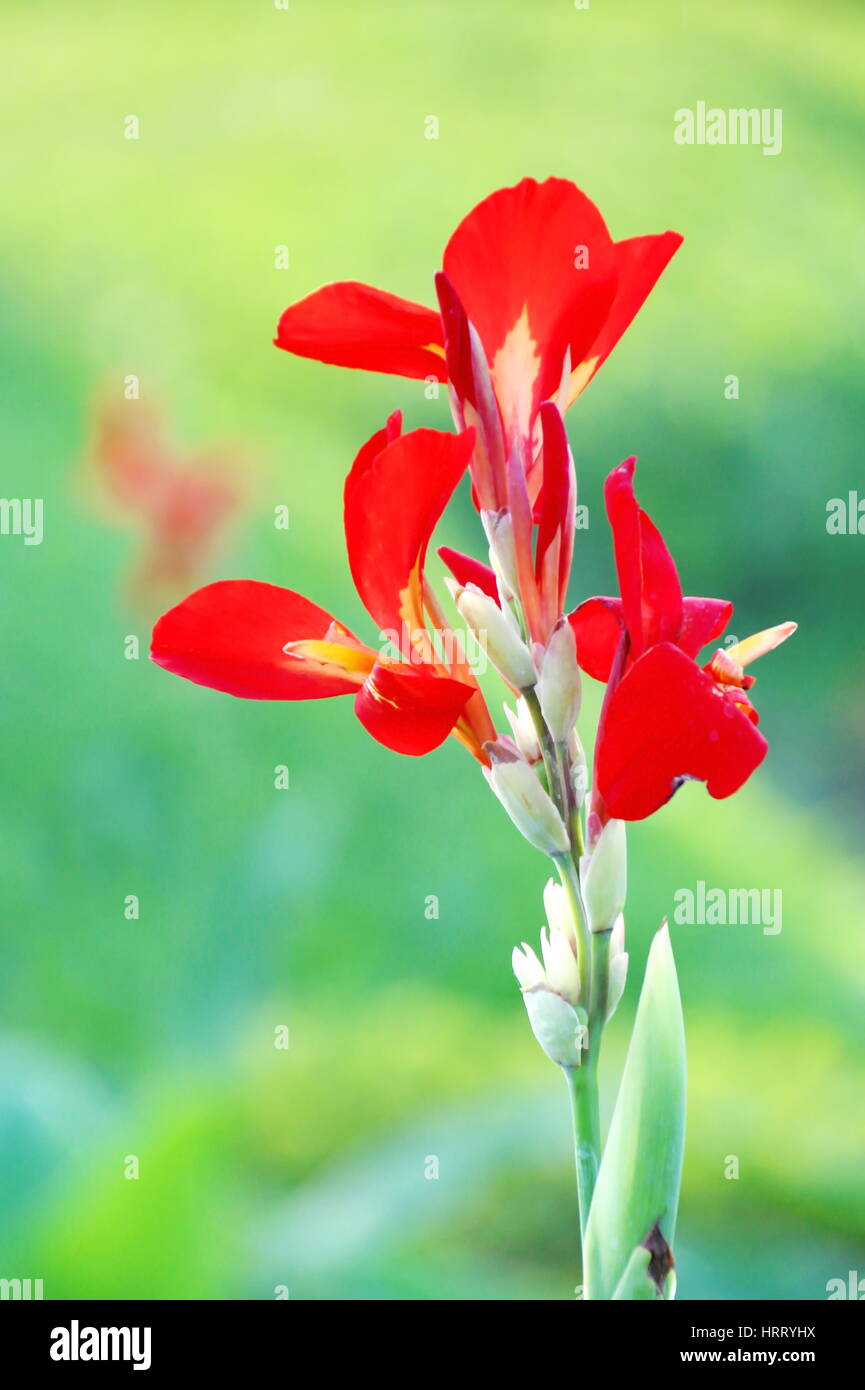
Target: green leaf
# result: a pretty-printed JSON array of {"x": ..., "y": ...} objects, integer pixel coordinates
[
  {"x": 636, "y": 1282},
  {"x": 638, "y": 1183}
]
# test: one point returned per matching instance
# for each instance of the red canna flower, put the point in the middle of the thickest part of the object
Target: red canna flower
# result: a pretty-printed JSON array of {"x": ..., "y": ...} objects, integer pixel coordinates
[
  {"x": 665, "y": 718},
  {"x": 534, "y": 295},
  {"x": 261, "y": 642}
]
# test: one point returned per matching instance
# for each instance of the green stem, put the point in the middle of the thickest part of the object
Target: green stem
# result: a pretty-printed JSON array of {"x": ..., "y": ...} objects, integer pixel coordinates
[
  {"x": 583, "y": 1088},
  {"x": 571, "y": 804},
  {"x": 548, "y": 751},
  {"x": 593, "y": 961},
  {"x": 556, "y": 769},
  {"x": 583, "y": 1082},
  {"x": 559, "y": 783},
  {"x": 600, "y": 990},
  {"x": 570, "y": 881}
]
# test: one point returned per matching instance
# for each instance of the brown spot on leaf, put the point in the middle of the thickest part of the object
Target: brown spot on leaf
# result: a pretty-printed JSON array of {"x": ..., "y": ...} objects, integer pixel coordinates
[{"x": 661, "y": 1261}]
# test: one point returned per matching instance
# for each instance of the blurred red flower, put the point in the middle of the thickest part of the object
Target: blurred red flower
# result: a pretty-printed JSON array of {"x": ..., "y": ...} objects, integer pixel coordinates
[{"x": 179, "y": 506}]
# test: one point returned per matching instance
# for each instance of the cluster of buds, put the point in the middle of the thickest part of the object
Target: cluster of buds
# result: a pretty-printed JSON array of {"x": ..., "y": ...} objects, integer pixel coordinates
[
  {"x": 496, "y": 634},
  {"x": 551, "y": 985},
  {"x": 539, "y": 773},
  {"x": 531, "y": 808}
]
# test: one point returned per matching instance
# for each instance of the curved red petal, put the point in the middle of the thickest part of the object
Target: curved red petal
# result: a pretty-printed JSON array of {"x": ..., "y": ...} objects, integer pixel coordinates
[
  {"x": 640, "y": 261},
  {"x": 598, "y": 625},
  {"x": 352, "y": 325},
  {"x": 556, "y": 506},
  {"x": 457, "y": 339},
  {"x": 703, "y": 620},
  {"x": 230, "y": 637},
  {"x": 516, "y": 263},
  {"x": 665, "y": 722},
  {"x": 648, "y": 581},
  {"x": 408, "y": 708},
  {"x": 393, "y": 498},
  {"x": 467, "y": 570}
]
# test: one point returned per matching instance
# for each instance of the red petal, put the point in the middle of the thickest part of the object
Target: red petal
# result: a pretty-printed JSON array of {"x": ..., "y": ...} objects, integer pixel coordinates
[
  {"x": 667, "y": 720},
  {"x": 648, "y": 582},
  {"x": 457, "y": 339},
  {"x": 476, "y": 402},
  {"x": 230, "y": 636},
  {"x": 369, "y": 452},
  {"x": 522, "y": 522},
  {"x": 640, "y": 261},
  {"x": 393, "y": 498},
  {"x": 353, "y": 325},
  {"x": 557, "y": 501},
  {"x": 598, "y": 625},
  {"x": 703, "y": 620},
  {"x": 409, "y": 709},
  {"x": 512, "y": 263},
  {"x": 466, "y": 570}
]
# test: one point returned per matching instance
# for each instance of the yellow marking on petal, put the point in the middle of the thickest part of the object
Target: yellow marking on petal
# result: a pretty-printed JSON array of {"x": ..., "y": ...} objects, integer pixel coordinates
[
  {"x": 342, "y": 637},
  {"x": 350, "y": 660},
  {"x": 760, "y": 643},
  {"x": 377, "y": 695},
  {"x": 412, "y": 613},
  {"x": 515, "y": 369},
  {"x": 434, "y": 347},
  {"x": 581, "y": 376}
]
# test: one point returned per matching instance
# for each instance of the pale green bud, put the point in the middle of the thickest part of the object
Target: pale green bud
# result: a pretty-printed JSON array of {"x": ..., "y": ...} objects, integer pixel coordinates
[
  {"x": 559, "y": 684},
  {"x": 560, "y": 964},
  {"x": 558, "y": 910},
  {"x": 618, "y": 966},
  {"x": 558, "y": 1026},
  {"x": 617, "y": 936},
  {"x": 499, "y": 528},
  {"x": 604, "y": 877},
  {"x": 527, "y": 968},
  {"x": 497, "y": 634},
  {"x": 550, "y": 993},
  {"x": 578, "y": 769},
  {"x": 530, "y": 808},
  {"x": 523, "y": 730}
]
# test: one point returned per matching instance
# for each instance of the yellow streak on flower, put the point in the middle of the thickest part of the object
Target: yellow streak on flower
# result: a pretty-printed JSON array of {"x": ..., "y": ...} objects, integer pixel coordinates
[
  {"x": 581, "y": 376},
  {"x": 760, "y": 643},
  {"x": 377, "y": 695},
  {"x": 344, "y": 660},
  {"x": 411, "y": 610},
  {"x": 515, "y": 369}
]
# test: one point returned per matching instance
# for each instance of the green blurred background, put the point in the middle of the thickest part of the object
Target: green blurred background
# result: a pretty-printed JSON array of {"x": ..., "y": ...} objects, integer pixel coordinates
[{"x": 307, "y": 1169}]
